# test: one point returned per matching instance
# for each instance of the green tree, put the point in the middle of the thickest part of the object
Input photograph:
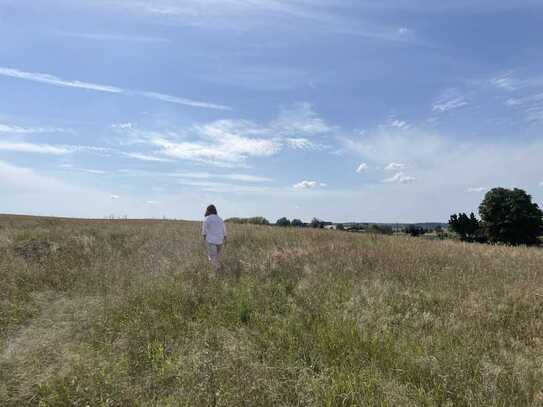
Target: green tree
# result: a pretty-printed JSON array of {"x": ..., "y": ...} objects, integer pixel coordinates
[
  {"x": 283, "y": 222},
  {"x": 510, "y": 216},
  {"x": 467, "y": 227},
  {"x": 259, "y": 220},
  {"x": 340, "y": 226},
  {"x": 316, "y": 223},
  {"x": 297, "y": 223}
]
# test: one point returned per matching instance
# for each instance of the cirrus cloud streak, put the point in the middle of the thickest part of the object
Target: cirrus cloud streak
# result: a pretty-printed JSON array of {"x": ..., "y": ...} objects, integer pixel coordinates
[{"x": 56, "y": 81}]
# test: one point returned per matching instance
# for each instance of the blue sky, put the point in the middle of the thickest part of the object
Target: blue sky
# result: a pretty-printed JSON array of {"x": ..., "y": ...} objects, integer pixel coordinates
[{"x": 390, "y": 110}]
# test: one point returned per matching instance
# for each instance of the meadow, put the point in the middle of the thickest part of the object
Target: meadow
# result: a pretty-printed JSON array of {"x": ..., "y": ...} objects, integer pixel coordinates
[{"x": 129, "y": 313}]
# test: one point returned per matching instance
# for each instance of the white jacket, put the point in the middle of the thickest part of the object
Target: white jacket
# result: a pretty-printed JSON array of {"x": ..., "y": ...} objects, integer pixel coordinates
[{"x": 214, "y": 229}]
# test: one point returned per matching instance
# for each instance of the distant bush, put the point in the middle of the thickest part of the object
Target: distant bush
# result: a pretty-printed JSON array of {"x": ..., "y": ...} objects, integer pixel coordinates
[
  {"x": 297, "y": 223},
  {"x": 415, "y": 230},
  {"x": 257, "y": 220},
  {"x": 284, "y": 222},
  {"x": 340, "y": 226},
  {"x": 316, "y": 223}
]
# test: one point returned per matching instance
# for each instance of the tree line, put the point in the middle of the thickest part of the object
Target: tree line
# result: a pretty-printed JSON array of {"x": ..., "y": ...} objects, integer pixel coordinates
[
  {"x": 507, "y": 216},
  {"x": 282, "y": 222}
]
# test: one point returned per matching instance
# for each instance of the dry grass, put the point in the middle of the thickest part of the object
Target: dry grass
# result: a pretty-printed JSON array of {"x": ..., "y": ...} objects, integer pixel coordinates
[{"x": 123, "y": 313}]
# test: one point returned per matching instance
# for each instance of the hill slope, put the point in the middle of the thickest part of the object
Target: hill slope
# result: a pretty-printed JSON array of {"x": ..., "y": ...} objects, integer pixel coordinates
[{"x": 128, "y": 313}]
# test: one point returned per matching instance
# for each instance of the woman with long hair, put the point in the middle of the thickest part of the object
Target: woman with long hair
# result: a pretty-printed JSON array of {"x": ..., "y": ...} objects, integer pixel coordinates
[{"x": 214, "y": 234}]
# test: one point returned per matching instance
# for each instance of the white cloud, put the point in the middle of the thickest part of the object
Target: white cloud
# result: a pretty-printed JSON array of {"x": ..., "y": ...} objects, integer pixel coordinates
[
  {"x": 230, "y": 150},
  {"x": 91, "y": 171},
  {"x": 246, "y": 15},
  {"x": 87, "y": 170},
  {"x": 112, "y": 37},
  {"x": 56, "y": 81},
  {"x": 534, "y": 113},
  {"x": 510, "y": 83},
  {"x": 122, "y": 126},
  {"x": 241, "y": 177},
  {"x": 53, "y": 80},
  {"x": 230, "y": 142},
  {"x": 6, "y": 128},
  {"x": 362, "y": 168},
  {"x": 511, "y": 102},
  {"x": 23, "y": 147},
  {"x": 387, "y": 144},
  {"x": 103, "y": 151},
  {"x": 300, "y": 119},
  {"x": 448, "y": 166},
  {"x": 180, "y": 101},
  {"x": 146, "y": 157},
  {"x": 400, "y": 177},
  {"x": 431, "y": 6},
  {"x": 221, "y": 143},
  {"x": 477, "y": 189},
  {"x": 27, "y": 147},
  {"x": 531, "y": 106},
  {"x": 535, "y": 98},
  {"x": 394, "y": 167},
  {"x": 449, "y": 100},
  {"x": 399, "y": 124},
  {"x": 235, "y": 140},
  {"x": 446, "y": 105},
  {"x": 505, "y": 82},
  {"x": 200, "y": 175},
  {"x": 220, "y": 187},
  {"x": 152, "y": 202},
  {"x": 308, "y": 185},
  {"x": 302, "y": 144},
  {"x": 114, "y": 197}
]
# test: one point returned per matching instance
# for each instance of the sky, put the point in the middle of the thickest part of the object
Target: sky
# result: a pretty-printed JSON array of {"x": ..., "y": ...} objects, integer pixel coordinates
[{"x": 345, "y": 110}]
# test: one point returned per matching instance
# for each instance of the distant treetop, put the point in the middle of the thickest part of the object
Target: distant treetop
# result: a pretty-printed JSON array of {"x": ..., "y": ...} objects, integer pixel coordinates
[
  {"x": 283, "y": 222},
  {"x": 257, "y": 220},
  {"x": 297, "y": 223}
]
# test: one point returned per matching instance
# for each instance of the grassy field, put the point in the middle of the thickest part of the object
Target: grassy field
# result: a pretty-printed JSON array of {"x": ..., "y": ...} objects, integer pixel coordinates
[{"x": 128, "y": 313}]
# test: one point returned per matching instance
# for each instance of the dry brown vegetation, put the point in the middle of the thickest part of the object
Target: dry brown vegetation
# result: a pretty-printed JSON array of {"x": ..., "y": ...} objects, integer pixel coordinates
[{"x": 125, "y": 313}]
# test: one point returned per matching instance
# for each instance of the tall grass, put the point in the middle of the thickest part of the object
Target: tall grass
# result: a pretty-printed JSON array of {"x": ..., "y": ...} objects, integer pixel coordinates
[{"x": 123, "y": 313}]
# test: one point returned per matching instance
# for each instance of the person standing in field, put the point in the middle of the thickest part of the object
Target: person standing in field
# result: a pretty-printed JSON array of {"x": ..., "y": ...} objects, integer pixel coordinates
[{"x": 214, "y": 234}]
